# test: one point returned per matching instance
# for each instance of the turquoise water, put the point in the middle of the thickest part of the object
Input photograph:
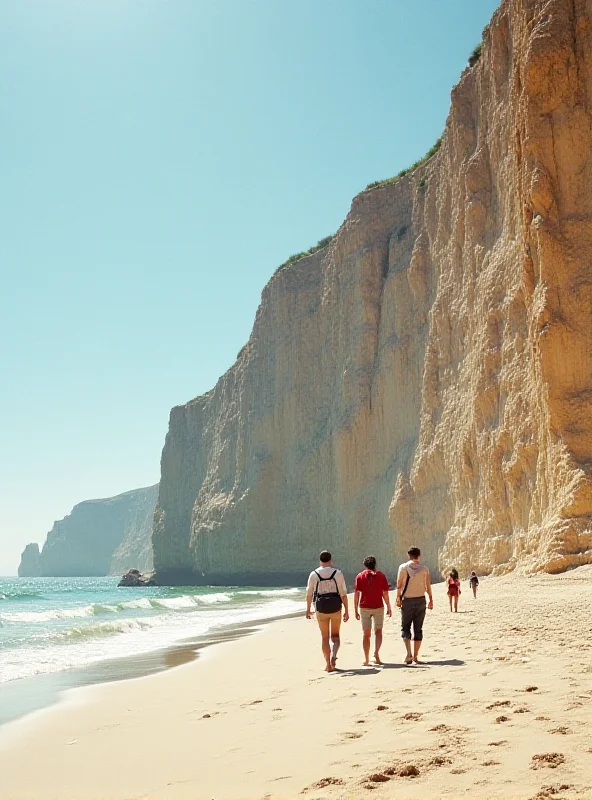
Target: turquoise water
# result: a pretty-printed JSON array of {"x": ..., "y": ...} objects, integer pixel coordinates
[{"x": 53, "y": 624}]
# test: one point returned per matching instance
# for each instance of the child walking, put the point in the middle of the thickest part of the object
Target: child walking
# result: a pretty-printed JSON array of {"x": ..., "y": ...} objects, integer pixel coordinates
[
  {"x": 474, "y": 582},
  {"x": 453, "y": 588}
]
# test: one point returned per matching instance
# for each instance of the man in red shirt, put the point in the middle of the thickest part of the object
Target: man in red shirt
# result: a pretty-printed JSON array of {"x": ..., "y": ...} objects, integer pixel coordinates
[{"x": 371, "y": 593}]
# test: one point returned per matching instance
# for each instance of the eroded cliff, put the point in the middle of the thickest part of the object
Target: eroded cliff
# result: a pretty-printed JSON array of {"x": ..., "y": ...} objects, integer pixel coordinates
[
  {"x": 426, "y": 377},
  {"x": 98, "y": 537}
]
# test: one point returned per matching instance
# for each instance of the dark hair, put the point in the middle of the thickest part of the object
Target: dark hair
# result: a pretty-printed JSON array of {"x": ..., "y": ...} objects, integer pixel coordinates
[
  {"x": 414, "y": 552},
  {"x": 454, "y": 574},
  {"x": 324, "y": 556},
  {"x": 370, "y": 562}
]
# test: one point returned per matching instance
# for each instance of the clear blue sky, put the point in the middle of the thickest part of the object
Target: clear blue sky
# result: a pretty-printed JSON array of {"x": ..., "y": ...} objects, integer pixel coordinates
[{"x": 160, "y": 159}]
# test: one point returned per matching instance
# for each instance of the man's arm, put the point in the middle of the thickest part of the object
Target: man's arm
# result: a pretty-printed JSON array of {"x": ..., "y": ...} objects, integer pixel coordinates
[
  {"x": 309, "y": 596},
  {"x": 429, "y": 589},
  {"x": 387, "y": 600},
  {"x": 400, "y": 587},
  {"x": 357, "y": 604},
  {"x": 344, "y": 600},
  {"x": 342, "y": 589}
]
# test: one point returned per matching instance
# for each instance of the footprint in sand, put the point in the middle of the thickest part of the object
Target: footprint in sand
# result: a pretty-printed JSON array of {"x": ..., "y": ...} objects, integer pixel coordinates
[
  {"x": 550, "y": 760},
  {"x": 324, "y": 782},
  {"x": 498, "y": 704}
]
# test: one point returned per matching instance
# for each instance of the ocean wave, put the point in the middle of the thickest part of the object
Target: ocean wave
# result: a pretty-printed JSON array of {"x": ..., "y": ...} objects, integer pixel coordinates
[
  {"x": 102, "y": 629},
  {"x": 47, "y": 616},
  {"x": 211, "y": 599},
  {"x": 20, "y": 595},
  {"x": 173, "y": 603}
]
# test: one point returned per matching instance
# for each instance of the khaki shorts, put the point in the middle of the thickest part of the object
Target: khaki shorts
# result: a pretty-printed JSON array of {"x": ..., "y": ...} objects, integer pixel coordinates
[
  {"x": 367, "y": 614},
  {"x": 334, "y": 617}
]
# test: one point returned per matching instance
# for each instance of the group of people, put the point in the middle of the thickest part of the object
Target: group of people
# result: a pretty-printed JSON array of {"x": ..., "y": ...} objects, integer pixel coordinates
[{"x": 328, "y": 591}]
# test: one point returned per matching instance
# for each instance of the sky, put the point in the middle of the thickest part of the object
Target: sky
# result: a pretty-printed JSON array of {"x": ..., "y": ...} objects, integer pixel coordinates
[{"x": 160, "y": 158}]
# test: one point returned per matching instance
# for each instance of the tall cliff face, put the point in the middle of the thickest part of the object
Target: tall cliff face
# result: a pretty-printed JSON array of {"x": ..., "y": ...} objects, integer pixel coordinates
[
  {"x": 427, "y": 377},
  {"x": 99, "y": 537}
]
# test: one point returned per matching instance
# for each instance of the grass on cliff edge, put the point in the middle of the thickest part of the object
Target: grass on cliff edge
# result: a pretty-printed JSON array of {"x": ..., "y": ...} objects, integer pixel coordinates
[
  {"x": 473, "y": 58},
  {"x": 431, "y": 152},
  {"x": 475, "y": 55},
  {"x": 297, "y": 256}
]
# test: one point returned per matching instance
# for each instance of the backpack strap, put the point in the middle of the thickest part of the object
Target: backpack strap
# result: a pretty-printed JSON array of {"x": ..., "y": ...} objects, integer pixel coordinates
[
  {"x": 406, "y": 583},
  {"x": 330, "y": 578}
]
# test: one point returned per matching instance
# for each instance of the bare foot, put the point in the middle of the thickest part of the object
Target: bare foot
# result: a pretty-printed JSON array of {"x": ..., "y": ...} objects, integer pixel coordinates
[
  {"x": 408, "y": 660},
  {"x": 377, "y": 660},
  {"x": 330, "y": 668},
  {"x": 333, "y": 661},
  {"x": 366, "y": 664}
]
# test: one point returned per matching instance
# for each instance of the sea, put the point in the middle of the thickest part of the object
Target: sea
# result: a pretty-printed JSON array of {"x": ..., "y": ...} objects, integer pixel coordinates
[{"x": 75, "y": 631}]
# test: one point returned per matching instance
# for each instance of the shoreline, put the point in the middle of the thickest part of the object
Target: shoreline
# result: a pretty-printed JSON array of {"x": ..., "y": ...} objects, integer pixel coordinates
[
  {"x": 24, "y": 697},
  {"x": 501, "y": 709}
]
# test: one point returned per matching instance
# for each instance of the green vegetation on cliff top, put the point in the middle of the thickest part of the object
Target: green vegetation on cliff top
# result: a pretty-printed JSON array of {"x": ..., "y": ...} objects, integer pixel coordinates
[
  {"x": 432, "y": 151},
  {"x": 297, "y": 256},
  {"x": 473, "y": 59}
]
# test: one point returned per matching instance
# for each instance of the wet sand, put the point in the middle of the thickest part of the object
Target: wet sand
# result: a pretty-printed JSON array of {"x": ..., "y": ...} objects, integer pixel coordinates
[{"x": 502, "y": 708}]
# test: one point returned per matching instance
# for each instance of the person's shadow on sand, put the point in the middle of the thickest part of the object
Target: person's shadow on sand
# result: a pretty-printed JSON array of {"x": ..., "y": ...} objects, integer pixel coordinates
[
  {"x": 375, "y": 668},
  {"x": 372, "y": 670}
]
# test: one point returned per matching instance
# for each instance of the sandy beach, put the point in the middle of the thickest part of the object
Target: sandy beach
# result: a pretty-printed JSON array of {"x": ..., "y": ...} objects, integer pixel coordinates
[{"x": 502, "y": 708}]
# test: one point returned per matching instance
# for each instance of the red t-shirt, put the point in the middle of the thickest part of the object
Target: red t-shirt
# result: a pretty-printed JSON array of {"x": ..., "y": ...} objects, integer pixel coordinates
[{"x": 371, "y": 584}]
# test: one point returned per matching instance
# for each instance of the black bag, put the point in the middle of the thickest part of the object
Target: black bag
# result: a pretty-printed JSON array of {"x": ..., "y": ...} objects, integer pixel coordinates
[{"x": 330, "y": 602}]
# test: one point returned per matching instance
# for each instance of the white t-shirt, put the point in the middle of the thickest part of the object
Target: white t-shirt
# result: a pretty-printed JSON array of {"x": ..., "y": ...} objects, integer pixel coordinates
[
  {"x": 417, "y": 579},
  {"x": 326, "y": 586}
]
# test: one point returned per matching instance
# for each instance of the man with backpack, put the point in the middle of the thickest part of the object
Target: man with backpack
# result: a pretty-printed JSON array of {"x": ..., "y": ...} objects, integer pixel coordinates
[{"x": 326, "y": 587}]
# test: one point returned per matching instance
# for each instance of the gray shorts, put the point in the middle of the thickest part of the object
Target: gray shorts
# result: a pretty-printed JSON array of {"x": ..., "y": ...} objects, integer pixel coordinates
[
  {"x": 413, "y": 611},
  {"x": 369, "y": 614}
]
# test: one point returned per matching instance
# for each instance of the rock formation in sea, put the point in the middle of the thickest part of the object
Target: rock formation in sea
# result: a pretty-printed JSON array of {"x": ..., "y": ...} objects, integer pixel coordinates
[
  {"x": 426, "y": 377},
  {"x": 98, "y": 537},
  {"x": 30, "y": 566}
]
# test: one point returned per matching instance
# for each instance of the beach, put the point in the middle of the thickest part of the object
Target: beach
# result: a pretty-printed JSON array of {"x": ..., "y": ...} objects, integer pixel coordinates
[{"x": 501, "y": 708}]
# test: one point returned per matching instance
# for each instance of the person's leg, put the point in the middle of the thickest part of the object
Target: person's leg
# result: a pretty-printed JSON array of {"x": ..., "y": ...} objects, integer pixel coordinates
[
  {"x": 450, "y": 601},
  {"x": 406, "y": 617},
  {"x": 366, "y": 619},
  {"x": 378, "y": 623},
  {"x": 323, "y": 621},
  {"x": 474, "y": 592},
  {"x": 367, "y": 633},
  {"x": 418, "y": 618},
  {"x": 335, "y": 640}
]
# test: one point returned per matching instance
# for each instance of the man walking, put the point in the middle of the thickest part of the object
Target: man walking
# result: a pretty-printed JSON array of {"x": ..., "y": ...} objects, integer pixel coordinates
[
  {"x": 326, "y": 586},
  {"x": 370, "y": 596},
  {"x": 413, "y": 583}
]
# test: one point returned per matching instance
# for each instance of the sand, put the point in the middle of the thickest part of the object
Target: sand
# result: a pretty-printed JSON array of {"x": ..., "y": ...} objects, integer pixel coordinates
[{"x": 503, "y": 708}]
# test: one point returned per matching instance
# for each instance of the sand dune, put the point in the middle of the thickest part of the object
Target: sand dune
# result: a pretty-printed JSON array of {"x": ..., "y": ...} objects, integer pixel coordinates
[{"x": 503, "y": 708}]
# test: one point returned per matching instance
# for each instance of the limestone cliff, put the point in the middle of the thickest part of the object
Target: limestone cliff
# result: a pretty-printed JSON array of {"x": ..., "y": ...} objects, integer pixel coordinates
[
  {"x": 426, "y": 377},
  {"x": 30, "y": 566},
  {"x": 98, "y": 537}
]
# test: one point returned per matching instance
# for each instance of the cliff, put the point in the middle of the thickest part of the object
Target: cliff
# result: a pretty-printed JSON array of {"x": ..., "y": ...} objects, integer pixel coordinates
[
  {"x": 99, "y": 537},
  {"x": 30, "y": 566},
  {"x": 426, "y": 377}
]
